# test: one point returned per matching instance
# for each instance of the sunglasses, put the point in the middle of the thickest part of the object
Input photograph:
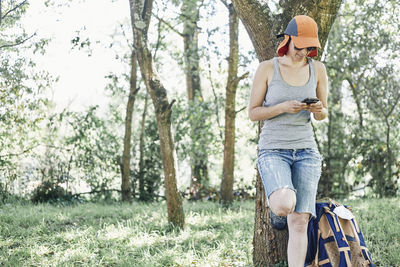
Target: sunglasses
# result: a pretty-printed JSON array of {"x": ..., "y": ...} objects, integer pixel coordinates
[{"x": 309, "y": 49}]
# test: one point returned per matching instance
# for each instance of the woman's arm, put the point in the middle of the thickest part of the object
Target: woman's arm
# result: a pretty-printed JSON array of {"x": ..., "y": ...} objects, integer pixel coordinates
[
  {"x": 259, "y": 89},
  {"x": 320, "y": 109}
]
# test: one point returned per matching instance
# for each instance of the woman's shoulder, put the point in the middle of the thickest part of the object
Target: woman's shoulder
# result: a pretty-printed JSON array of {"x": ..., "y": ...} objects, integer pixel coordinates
[
  {"x": 320, "y": 68},
  {"x": 318, "y": 65},
  {"x": 267, "y": 65}
]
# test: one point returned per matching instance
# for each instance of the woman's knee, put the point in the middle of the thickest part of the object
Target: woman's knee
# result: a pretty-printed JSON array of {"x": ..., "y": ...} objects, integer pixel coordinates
[
  {"x": 283, "y": 201},
  {"x": 298, "y": 222}
]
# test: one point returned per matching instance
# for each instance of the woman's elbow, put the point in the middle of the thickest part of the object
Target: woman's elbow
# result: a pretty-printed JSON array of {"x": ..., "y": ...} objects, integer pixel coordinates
[{"x": 252, "y": 115}]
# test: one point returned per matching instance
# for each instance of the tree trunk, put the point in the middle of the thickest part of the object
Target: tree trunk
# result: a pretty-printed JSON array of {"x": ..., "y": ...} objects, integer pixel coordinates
[
  {"x": 198, "y": 154},
  {"x": 325, "y": 180},
  {"x": 126, "y": 158},
  {"x": 390, "y": 187},
  {"x": 142, "y": 192},
  {"x": 269, "y": 244},
  {"x": 262, "y": 26},
  {"x": 140, "y": 19},
  {"x": 230, "y": 113}
]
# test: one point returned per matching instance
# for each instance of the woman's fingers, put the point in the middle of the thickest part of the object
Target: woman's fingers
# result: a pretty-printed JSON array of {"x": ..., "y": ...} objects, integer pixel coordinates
[{"x": 315, "y": 108}]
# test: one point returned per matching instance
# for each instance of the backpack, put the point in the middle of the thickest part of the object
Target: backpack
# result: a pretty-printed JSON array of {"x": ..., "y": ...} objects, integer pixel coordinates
[{"x": 334, "y": 241}]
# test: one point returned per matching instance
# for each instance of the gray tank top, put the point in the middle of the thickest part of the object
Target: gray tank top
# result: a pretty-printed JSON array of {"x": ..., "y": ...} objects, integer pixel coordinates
[{"x": 288, "y": 131}]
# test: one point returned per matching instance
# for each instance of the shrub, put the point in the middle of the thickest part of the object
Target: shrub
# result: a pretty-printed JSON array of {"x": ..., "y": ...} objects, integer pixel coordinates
[{"x": 51, "y": 192}]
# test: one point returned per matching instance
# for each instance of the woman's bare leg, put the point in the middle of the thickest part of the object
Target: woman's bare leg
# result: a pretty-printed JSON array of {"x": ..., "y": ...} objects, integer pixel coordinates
[{"x": 297, "y": 247}]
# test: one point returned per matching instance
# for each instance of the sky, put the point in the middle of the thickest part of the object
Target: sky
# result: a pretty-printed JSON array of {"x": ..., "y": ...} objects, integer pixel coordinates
[{"x": 81, "y": 77}]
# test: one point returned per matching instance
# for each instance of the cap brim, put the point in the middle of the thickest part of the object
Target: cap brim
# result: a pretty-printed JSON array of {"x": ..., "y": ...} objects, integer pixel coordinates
[
  {"x": 282, "y": 48},
  {"x": 303, "y": 42}
]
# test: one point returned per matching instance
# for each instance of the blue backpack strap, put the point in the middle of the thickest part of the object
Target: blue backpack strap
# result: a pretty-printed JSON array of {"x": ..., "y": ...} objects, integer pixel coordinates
[
  {"x": 315, "y": 251},
  {"x": 341, "y": 241},
  {"x": 312, "y": 234},
  {"x": 323, "y": 259}
]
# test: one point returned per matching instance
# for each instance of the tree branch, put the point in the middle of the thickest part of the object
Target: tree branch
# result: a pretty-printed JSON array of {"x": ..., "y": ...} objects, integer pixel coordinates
[
  {"x": 158, "y": 40},
  {"x": 394, "y": 105},
  {"x": 259, "y": 23},
  {"x": 170, "y": 104},
  {"x": 243, "y": 108},
  {"x": 18, "y": 154},
  {"x": 169, "y": 25},
  {"x": 17, "y": 43},
  {"x": 12, "y": 9},
  {"x": 238, "y": 79},
  {"x": 126, "y": 38},
  {"x": 356, "y": 99},
  {"x": 215, "y": 97}
]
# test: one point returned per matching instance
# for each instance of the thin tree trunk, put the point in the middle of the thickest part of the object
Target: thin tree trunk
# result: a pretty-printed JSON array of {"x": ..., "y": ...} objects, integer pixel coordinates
[
  {"x": 358, "y": 102},
  {"x": 190, "y": 18},
  {"x": 126, "y": 158},
  {"x": 140, "y": 19},
  {"x": 230, "y": 113},
  {"x": 389, "y": 156},
  {"x": 142, "y": 192},
  {"x": 262, "y": 26},
  {"x": 326, "y": 176},
  {"x": 198, "y": 155}
]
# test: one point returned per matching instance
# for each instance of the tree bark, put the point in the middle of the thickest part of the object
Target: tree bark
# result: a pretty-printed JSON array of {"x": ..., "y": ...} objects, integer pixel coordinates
[
  {"x": 126, "y": 158},
  {"x": 140, "y": 18},
  {"x": 142, "y": 192},
  {"x": 324, "y": 186},
  {"x": 198, "y": 154},
  {"x": 190, "y": 18},
  {"x": 262, "y": 26},
  {"x": 230, "y": 113}
]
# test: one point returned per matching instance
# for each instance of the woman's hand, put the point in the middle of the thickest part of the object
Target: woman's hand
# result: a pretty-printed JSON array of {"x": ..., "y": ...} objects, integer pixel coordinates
[
  {"x": 293, "y": 106},
  {"x": 315, "y": 108}
]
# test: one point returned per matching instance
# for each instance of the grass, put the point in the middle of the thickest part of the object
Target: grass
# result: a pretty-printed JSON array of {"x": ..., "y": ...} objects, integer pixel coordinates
[
  {"x": 138, "y": 234},
  {"x": 125, "y": 235},
  {"x": 379, "y": 220}
]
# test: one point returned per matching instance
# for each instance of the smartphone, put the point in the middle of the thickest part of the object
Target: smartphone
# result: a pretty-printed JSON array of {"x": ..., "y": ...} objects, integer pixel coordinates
[{"x": 310, "y": 100}]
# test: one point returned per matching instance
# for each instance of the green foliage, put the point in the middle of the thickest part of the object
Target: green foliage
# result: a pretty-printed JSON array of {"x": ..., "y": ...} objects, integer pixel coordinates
[
  {"x": 51, "y": 193},
  {"x": 147, "y": 178},
  {"x": 22, "y": 93},
  {"x": 191, "y": 118},
  {"x": 361, "y": 148},
  {"x": 95, "y": 149},
  {"x": 81, "y": 152}
]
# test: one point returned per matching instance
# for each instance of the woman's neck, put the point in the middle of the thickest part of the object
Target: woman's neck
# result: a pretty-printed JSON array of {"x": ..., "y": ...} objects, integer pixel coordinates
[{"x": 289, "y": 60}]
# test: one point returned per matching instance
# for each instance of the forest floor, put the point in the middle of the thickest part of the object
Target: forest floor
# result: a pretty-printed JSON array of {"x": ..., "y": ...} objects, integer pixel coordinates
[{"x": 101, "y": 234}]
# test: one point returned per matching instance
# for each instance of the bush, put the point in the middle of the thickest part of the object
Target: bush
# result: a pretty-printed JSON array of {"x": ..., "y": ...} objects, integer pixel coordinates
[{"x": 52, "y": 193}]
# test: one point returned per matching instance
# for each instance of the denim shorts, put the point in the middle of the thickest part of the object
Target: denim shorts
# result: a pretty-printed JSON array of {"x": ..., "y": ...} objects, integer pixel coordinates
[{"x": 296, "y": 169}]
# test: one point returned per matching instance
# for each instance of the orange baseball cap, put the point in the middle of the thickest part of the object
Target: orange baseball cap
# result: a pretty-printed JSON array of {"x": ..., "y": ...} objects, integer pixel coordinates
[{"x": 303, "y": 30}]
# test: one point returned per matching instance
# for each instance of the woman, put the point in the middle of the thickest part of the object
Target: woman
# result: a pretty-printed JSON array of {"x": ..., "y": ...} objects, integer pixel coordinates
[{"x": 288, "y": 159}]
